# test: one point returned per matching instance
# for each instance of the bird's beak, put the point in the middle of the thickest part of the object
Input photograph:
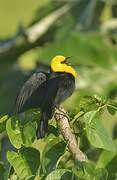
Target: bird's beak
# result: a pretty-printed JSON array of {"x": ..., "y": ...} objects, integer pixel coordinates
[{"x": 67, "y": 62}]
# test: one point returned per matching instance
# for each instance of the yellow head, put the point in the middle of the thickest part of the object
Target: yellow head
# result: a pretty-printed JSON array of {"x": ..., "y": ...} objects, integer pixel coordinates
[{"x": 58, "y": 65}]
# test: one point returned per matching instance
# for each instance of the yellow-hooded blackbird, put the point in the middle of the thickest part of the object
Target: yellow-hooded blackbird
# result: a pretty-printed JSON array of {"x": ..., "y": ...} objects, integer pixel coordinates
[{"x": 47, "y": 90}]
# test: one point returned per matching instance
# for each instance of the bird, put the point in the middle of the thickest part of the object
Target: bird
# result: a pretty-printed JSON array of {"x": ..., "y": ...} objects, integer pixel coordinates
[{"x": 47, "y": 90}]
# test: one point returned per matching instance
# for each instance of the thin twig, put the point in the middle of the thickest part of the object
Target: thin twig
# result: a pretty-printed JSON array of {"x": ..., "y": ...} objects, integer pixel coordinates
[{"x": 63, "y": 124}]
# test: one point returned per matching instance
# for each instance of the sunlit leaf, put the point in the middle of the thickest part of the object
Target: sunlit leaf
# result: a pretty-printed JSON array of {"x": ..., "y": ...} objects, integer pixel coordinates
[
  {"x": 37, "y": 178},
  {"x": 96, "y": 133},
  {"x": 31, "y": 177},
  {"x": 20, "y": 135},
  {"x": 29, "y": 133},
  {"x": 25, "y": 162},
  {"x": 14, "y": 177},
  {"x": 3, "y": 123},
  {"x": 108, "y": 159},
  {"x": 14, "y": 132},
  {"x": 58, "y": 174}
]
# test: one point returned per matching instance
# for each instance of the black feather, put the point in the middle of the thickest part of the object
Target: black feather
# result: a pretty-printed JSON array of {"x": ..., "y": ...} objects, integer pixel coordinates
[
  {"x": 32, "y": 93},
  {"x": 45, "y": 91}
]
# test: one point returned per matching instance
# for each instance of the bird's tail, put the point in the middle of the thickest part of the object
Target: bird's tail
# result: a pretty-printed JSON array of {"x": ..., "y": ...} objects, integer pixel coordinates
[{"x": 42, "y": 129}]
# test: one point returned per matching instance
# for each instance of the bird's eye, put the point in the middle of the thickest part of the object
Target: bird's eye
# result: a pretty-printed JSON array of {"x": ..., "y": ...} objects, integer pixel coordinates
[{"x": 63, "y": 62}]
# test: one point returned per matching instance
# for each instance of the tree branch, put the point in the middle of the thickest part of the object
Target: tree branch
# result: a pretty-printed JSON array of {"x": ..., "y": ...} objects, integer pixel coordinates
[
  {"x": 31, "y": 37},
  {"x": 40, "y": 28},
  {"x": 63, "y": 124}
]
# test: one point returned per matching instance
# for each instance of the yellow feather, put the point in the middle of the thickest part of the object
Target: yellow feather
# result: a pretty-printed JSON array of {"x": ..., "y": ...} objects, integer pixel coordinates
[{"x": 57, "y": 66}]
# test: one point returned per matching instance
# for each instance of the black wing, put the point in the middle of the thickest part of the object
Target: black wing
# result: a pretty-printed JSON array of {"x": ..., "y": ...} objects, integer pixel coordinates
[
  {"x": 32, "y": 93},
  {"x": 66, "y": 87},
  {"x": 59, "y": 87}
]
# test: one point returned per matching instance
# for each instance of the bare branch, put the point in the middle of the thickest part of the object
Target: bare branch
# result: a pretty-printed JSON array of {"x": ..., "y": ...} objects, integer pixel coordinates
[
  {"x": 40, "y": 28},
  {"x": 31, "y": 37},
  {"x": 63, "y": 124}
]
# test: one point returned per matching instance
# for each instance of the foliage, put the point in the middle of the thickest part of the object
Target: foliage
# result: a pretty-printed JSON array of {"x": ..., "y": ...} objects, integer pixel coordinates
[
  {"x": 46, "y": 157},
  {"x": 92, "y": 108}
]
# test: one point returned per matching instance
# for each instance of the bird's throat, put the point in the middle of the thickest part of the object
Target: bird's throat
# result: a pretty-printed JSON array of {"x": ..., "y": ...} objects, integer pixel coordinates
[{"x": 58, "y": 67}]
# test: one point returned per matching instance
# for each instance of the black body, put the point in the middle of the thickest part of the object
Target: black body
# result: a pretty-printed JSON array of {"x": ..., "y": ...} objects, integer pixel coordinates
[{"x": 45, "y": 91}]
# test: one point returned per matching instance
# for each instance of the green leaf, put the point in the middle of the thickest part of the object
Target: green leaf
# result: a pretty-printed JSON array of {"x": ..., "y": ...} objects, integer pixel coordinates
[
  {"x": 1, "y": 169},
  {"x": 14, "y": 177},
  {"x": 53, "y": 149},
  {"x": 58, "y": 174},
  {"x": 85, "y": 170},
  {"x": 31, "y": 177},
  {"x": 14, "y": 132},
  {"x": 32, "y": 115},
  {"x": 20, "y": 135},
  {"x": 96, "y": 133},
  {"x": 34, "y": 178},
  {"x": 89, "y": 103},
  {"x": 101, "y": 174},
  {"x": 25, "y": 163},
  {"x": 108, "y": 160},
  {"x": 3, "y": 123},
  {"x": 6, "y": 171},
  {"x": 37, "y": 178},
  {"x": 29, "y": 133},
  {"x": 89, "y": 171},
  {"x": 112, "y": 108}
]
